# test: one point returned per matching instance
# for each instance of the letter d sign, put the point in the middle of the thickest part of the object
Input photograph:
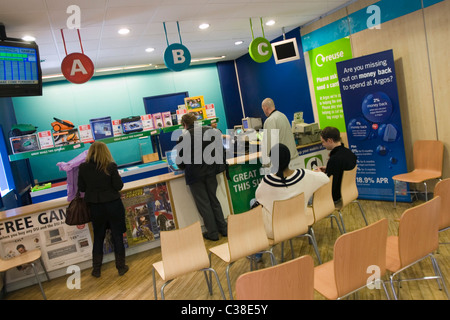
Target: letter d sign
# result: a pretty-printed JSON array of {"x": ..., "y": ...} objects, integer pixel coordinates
[{"x": 177, "y": 57}]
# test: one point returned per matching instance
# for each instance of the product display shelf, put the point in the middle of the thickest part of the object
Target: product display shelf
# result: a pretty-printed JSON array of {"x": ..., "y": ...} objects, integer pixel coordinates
[
  {"x": 204, "y": 122},
  {"x": 43, "y": 152},
  {"x": 130, "y": 136}
]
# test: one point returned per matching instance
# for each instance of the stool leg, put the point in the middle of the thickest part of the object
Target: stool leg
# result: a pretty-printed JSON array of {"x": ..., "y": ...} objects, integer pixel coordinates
[{"x": 39, "y": 281}]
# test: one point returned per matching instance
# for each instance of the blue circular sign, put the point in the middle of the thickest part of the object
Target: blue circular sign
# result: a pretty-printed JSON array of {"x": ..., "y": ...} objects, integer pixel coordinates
[
  {"x": 377, "y": 107},
  {"x": 177, "y": 57}
]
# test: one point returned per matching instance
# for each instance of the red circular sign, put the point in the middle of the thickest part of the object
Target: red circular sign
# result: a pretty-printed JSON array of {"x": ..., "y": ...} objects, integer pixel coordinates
[{"x": 77, "y": 68}]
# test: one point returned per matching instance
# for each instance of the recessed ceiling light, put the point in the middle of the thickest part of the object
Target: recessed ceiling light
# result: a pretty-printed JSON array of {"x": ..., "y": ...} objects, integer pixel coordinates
[
  {"x": 270, "y": 23},
  {"x": 124, "y": 31},
  {"x": 204, "y": 26},
  {"x": 149, "y": 49},
  {"x": 29, "y": 38},
  {"x": 239, "y": 42}
]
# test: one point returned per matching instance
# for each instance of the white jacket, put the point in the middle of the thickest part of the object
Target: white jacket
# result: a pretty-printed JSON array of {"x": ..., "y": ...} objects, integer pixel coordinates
[{"x": 272, "y": 188}]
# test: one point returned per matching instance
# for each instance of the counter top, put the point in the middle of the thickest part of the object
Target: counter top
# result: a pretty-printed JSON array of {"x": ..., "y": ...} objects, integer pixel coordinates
[{"x": 61, "y": 202}]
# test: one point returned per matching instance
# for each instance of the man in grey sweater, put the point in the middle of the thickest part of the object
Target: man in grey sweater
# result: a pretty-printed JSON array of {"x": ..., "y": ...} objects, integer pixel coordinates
[{"x": 278, "y": 124}]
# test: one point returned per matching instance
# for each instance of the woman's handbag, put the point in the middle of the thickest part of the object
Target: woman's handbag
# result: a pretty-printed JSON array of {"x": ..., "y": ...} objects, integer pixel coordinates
[{"x": 77, "y": 212}]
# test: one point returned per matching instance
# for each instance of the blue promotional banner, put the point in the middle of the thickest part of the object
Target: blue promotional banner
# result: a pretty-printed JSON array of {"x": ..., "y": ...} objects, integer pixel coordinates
[{"x": 372, "y": 117}]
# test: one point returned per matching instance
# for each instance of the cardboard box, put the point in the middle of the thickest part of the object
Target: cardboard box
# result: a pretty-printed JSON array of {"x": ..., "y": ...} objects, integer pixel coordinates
[{"x": 146, "y": 158}]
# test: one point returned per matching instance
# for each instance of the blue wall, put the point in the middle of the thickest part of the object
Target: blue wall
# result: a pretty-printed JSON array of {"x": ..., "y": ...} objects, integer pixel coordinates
[
  {"x": 117, "y": 96},
  {"x": 286, "y": 84}
]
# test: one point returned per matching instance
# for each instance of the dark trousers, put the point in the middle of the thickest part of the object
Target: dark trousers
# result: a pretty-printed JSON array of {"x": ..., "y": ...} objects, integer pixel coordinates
[
  {"x": 108, "y": 215},
  {"x": 204, "y": 193}
]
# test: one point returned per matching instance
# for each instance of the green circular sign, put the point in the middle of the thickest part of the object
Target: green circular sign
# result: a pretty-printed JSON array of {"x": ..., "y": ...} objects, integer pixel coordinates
[{"x": 260, "y": 50}]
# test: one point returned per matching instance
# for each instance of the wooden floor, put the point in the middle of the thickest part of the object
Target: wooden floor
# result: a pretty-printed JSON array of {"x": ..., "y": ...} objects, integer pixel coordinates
[{"x": 137, "y": 283}]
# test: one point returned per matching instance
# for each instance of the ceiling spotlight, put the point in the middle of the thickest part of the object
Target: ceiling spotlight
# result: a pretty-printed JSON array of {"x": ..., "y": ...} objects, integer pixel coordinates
[
  {"x": 270, "y": 23},
  {"x": 28, "y": 38},
  {"x": 239, "y": 42},
  {"x": 204, "y": 26},
  {"x": 149, "y": 49},
  {"x": 124, "y": 31}
]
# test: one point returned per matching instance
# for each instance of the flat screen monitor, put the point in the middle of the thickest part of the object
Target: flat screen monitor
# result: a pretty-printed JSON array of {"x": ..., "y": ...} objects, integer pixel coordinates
[
  {"x": 285, "y": 51},
  {"x": 20, "y": 69}
]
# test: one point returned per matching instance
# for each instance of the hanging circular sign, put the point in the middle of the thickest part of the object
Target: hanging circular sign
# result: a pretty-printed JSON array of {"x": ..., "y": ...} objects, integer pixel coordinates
[
  {"x": 260, "y": 50},
  {"x": 177, "y": 57},
  {"x": 77, "y": 68}
]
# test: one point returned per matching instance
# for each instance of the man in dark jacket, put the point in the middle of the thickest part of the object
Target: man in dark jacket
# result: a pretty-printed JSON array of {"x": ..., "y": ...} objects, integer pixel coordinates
[
  {"x": 201, "y": 156},
  {"x": 341, "y": 159}
]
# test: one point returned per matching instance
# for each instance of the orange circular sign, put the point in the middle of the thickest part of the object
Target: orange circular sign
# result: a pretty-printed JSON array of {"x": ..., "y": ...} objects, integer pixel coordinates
[{"x": 77, "y": 68}]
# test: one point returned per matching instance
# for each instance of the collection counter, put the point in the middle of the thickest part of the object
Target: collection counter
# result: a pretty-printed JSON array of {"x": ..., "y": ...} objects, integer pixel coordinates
[{"x": 152, "y": 204}]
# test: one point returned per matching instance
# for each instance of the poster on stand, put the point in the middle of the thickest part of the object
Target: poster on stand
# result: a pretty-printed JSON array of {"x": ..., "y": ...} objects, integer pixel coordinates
[
  {"x": 325, "y": 81},
  {"x": 61, "y": 245},
  {"x": 374, "y": 129}
]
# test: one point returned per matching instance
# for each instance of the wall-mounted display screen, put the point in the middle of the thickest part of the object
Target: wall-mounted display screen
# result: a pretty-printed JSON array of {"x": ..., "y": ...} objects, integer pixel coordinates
[{"x": 20, "y": 70}]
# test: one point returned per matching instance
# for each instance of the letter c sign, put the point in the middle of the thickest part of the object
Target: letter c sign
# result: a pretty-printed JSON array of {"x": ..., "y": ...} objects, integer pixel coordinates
[
  {"x": 177, "y": 57},
  {"x": 260, "y": 50},
  {"x": 77, "y": 68}
]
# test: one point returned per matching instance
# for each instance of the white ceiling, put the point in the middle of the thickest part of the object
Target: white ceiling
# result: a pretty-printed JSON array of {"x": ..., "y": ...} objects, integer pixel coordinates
[{"x": 100, "y": 20}]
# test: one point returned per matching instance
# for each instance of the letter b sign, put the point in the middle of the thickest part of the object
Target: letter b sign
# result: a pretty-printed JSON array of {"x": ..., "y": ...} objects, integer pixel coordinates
[{"x": 177, "y": 57}]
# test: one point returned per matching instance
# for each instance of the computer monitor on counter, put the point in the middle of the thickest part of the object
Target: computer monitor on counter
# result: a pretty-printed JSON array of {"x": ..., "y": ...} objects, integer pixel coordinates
[{"x": 251, "y": 123}]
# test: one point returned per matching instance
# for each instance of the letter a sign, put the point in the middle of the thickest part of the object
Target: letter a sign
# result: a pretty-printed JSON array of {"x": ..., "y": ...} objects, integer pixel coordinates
[{"x": 77, "y": 68}]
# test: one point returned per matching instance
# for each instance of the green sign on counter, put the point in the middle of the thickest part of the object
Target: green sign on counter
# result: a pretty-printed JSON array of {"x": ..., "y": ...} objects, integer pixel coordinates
[{"x": 245, "y": 179}]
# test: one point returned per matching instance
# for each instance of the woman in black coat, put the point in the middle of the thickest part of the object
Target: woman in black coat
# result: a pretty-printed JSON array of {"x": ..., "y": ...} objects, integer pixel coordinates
[{"x": 99, "y": 179}]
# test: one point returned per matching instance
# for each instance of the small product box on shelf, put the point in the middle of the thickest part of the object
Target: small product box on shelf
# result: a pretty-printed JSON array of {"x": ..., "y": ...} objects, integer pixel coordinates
[
  {"x": 85, "y": 133},
  {"x": 147, "y": 122},
  {"x": 66, "y": 137},
  {"x": 132, "y": 124},
  {"x": 210, "y": 111},
  {"x": 117, "y": 128},
  {"x": 101, "y": 128},
  {"x": 167, "y": 119},
  {"x": 158, "y": 120},
  {"x": 180, "y": 113},
  {"x": 24, "y": 143},
  {"x": 46, "y": 139}
]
